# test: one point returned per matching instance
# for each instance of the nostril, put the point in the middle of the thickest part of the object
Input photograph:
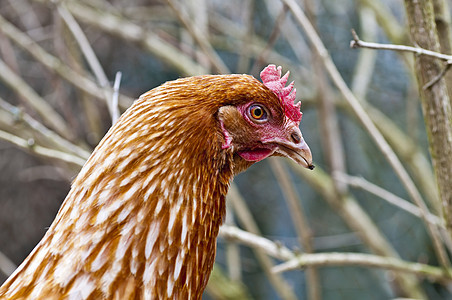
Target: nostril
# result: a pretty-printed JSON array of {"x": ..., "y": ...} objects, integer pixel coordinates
[{"x": 296, "y": 138}]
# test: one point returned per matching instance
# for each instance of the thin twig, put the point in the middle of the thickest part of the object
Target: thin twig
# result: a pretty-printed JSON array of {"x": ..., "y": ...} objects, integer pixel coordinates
[
  {"x": 357, "y": 43},
  {"x": 256, "y": 241},
  {"x": 364, "y": 260},
  {"x": 114, "y": 100},
  {"x": 121, "y": 27},
  {"x": 330, "y": 130},
  {"x": 198, "y": 13},
  {"x": 233, "y": 258},
  {"x": 54, "y": 64},
  {"x": 246, "y": 220},
  {"x": 292, "y": 36},
  {"x": 21, "y": 116},
  {"x": 293, "y": 200},
  {"x": 31, "y": 146},
  {"x": 387, "y": 196},
  {"x": 247, "y": 16},
  {"x": 294, "y": 261},
  {"x": 201, "y": 39},
  {"x": 229, "y": 38},
  {"x": 365, "y": 64},
  {"x": 437, "y": 77},
  {"x": 270, "y": 42},
  {"x": 299, "y": 220},
  {"x": 7, "y": 267},
  {"x": 88, "y": 53},
  {"x": 33, "y": 100},
  {"x": 370, "y": 127},
  {"x": 410, "y": 153}
]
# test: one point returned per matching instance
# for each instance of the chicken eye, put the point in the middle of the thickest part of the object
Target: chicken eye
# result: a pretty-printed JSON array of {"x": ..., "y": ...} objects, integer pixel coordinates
[{"x": 258, "y": 113}]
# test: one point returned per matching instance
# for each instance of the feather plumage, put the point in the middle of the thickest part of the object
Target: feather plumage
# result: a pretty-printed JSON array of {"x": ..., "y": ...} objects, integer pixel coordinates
[{"x": 142, "y": 217}]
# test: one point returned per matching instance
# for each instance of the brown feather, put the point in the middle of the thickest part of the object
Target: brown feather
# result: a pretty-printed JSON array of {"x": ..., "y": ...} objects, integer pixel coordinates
[{"x": 142, "y": 217}]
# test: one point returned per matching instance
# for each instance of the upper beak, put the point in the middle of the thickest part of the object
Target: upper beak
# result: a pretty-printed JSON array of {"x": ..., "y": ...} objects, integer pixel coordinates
[{"x": 295, "y": 147}]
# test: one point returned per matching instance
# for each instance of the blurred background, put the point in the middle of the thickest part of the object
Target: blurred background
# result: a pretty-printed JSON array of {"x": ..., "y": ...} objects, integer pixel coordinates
[{"x": 58, "y": 64}]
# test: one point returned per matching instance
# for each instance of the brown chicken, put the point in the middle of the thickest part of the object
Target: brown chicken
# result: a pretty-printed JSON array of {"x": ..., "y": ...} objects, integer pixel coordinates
[{"x": 142, "y": 217}]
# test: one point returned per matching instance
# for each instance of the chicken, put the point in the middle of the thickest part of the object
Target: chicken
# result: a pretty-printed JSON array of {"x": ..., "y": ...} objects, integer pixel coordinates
[{"x": 142, "y": 217}]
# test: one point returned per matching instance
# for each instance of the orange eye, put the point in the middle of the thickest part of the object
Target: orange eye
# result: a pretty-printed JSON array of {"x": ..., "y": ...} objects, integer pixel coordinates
[{"x": 258, "y": 113}]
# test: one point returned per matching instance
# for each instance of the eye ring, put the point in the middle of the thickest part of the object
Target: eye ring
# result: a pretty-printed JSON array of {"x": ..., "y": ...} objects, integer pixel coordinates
[{"x": 258, "y": 113}]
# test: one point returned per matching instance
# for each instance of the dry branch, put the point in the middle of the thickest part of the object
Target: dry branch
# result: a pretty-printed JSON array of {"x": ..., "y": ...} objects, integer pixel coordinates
[
  {"x": 121, "y": 27},
  {"x": 89, "y": 54},
  {"x": 390, "y": 24},
  {"x": 299, "y": 220},
  {"x": 364, "y": 260},
  {"x": 246, "y": 219},
  {"x": 436, "y": 103},
  {"x": 389, "y": 197},
  {"x": 199, "y": 37},
  {"x": 294, "y": 261},
  {"x": 33, "y": 100},
  {"x": 31, "y": 146},
  {"x": 358, "y": 221},
  {"x": 18, "y": 115},
  {"x": 357, "y": 43},
  {"x": 370, "y": 127},
  {"x": 54, "y": 64},
  {"x": 7, "y": 267}
]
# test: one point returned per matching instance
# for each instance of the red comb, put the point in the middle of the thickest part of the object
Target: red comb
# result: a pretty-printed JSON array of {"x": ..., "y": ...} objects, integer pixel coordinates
[{"x": 271, "y": 77}]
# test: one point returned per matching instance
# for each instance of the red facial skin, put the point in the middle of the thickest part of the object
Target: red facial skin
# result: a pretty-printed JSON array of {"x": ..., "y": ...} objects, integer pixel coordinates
[{"x": 275, "y": 134}]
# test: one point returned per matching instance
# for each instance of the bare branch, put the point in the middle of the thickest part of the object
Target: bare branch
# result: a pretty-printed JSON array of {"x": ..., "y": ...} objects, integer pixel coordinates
[
  {"x": 54, "y": 64},
  {"x": 20, "y": 116},
  {"x": 364, "y": 260},
  {"x": 299, "y": 220},
  {"x": 28, "y": 94},
  {"x": 201, "y": 39},
  {"x": 31, "y": 146},
  {"x": 436, "y": 102},
  {"x": 437, "y": 77},
  {"x": 118, "y": 26},
  {"x": 246, "y": 220},
  {"x": 114, "y": 100},
  {"x": 364, "y": 118},
  {"x": 365, "y": 64},
  {"x": 7, "y": 267},
  {"x": 387, "y": 196},
  {"x": 295, "y": 261},
  {"x": 255, "y": 241},
  {"x": 270, "y": 42},
  {"x": 357, "y": 43},
  {"x": 89, "y": 54}
]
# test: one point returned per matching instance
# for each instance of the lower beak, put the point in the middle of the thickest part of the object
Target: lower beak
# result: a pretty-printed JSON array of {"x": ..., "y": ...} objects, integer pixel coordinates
[{"x": 296, "y": 149}]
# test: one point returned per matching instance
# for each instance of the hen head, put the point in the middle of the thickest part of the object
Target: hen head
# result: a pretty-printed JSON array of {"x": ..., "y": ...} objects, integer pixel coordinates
[{"x": 265, "y": 125}]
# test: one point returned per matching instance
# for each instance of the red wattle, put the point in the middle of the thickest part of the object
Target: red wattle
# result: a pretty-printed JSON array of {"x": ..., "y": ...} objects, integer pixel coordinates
[{"x": 255, "y": 154}]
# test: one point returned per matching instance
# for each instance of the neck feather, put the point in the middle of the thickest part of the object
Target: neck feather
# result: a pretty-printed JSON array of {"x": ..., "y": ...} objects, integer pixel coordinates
[{"x": 143, "y": 214}]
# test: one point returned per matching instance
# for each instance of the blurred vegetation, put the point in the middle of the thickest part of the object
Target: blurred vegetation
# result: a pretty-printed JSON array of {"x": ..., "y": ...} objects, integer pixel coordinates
[{"x": 58, "y": 64}]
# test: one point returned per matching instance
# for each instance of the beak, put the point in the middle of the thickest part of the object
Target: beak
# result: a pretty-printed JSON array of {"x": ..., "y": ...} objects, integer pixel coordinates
[{"x": 295, "y": 147}]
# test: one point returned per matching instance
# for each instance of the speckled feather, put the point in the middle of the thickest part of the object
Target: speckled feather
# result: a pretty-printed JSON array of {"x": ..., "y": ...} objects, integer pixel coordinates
[{"x": 142, "y": 217}]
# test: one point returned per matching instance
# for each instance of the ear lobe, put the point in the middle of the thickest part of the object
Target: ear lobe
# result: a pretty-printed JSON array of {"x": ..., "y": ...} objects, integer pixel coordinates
[
  {"x": 232, "y": 121},
  {"x": 224, "y": 114},
  {"x": 227, "y": 137}
]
